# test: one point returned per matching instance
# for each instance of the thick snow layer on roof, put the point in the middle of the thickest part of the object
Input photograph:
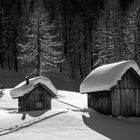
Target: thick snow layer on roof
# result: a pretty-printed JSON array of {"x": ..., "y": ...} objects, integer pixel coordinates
[
  {"x": 22, "y": 88},
  {"x": 106, "y": 76}
]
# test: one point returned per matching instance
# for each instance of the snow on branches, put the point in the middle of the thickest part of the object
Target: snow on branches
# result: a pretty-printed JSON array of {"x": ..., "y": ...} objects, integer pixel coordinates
[{"x": 43, "y": 47}]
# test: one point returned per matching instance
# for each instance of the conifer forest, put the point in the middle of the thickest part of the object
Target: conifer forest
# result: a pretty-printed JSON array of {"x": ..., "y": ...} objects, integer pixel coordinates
[{"x": 78, "y": 34}]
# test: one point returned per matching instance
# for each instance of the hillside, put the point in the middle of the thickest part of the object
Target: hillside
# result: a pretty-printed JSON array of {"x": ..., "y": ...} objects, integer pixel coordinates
[{"x": 68, "y": 120}]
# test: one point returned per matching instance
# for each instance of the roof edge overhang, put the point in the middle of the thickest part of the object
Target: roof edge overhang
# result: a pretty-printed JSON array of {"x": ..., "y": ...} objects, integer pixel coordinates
[
  {"x": 134, "y": 67},
  {"x": 94, "y": 91},
  {"x": 24, "y": 94}
]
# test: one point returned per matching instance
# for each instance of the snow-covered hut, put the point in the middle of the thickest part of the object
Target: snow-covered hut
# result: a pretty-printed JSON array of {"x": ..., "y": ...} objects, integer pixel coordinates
[
  {"x": 34, "y": 94},
  {"x": 114, "y": 89}
]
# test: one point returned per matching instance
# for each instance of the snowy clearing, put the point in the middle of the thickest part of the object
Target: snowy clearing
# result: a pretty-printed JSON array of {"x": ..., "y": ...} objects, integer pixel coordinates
[{"x": 68, "y": 120}]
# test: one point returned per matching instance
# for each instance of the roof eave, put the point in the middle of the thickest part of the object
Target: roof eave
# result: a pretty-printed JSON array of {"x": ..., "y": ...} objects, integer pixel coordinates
[
  {"x": 90, "y": 92},
  {"x": 53, "y": 94}
]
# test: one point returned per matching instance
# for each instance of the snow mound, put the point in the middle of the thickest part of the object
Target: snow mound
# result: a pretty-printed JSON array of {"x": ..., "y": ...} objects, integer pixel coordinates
[
  {"x": 106, "y": 76},
  {"x": 22, "y": 88},
  {"x": 16, "y": 121},
  {"x": 74, "y": 99},
  {"x": 7, "y": 103}
]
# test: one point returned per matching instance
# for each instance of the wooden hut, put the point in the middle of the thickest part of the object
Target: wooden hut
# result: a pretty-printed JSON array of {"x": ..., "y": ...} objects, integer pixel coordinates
[
  {"x": 34, "y": 94},
  {"x": 114, "y": 89}
]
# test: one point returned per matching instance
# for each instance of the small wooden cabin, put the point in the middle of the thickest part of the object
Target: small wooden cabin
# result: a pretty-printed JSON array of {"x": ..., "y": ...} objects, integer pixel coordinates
[
  {"x": 34, "y": 94},
  {"x": 114, "y": 89}
]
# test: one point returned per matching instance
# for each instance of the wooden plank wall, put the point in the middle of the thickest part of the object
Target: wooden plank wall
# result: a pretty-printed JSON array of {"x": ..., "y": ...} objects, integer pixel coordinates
[
  {"x": 125, "y": 96},
  {"x": 122, "y": 100},
  {"x": 29, "y": 102},
  {"x": 100, "y": 101},
  {"x": 21, "y": 106}
]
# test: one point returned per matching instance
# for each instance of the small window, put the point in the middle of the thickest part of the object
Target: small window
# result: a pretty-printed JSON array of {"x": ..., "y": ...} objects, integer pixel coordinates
[{"x": 39, "y": 105}]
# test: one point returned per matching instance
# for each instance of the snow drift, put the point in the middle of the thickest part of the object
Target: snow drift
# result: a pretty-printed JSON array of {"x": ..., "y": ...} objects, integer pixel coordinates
[
  {"x": 22, "y": 88},
  {"x": 106, "y": 76}
]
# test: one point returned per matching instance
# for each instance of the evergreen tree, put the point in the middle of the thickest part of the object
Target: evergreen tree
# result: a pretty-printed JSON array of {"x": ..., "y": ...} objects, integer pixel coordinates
[
  {"x": 111, "y": 34},
  {"x": 105, "y": 35},
  {"x": 76, "y": 48},
  {"x": 133, "y": 32},
  {"x": 42, "y": 47},
  {"x": 1, "y": 42}
]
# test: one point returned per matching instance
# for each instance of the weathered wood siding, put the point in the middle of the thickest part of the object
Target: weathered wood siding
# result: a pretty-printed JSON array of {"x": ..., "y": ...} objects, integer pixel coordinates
[
  {"x": 122, "y": 100},
  {"x": 100, "y": 101},
  {"x": 125, "y": 96},
  {"x": 38, "y": 99}
]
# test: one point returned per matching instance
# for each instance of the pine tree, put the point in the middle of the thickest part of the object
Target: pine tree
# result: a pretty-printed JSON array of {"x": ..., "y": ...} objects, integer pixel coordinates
[
  {"x": 43, "y": 47},
  {"x": 133, "y": 32},
  {"x": 10, "y": 33},
  {"x": 105, "y": 42},
  {"x": 1, "y": 42},
  {"x": 76, "y": 44},
  {"x": 111, "y": 35}
]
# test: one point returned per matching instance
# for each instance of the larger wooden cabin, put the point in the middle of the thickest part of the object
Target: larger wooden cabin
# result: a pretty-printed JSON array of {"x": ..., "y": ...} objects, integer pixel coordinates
[
  {"x": 34, "y": 94},
  {"x": 114, "y": 89}
]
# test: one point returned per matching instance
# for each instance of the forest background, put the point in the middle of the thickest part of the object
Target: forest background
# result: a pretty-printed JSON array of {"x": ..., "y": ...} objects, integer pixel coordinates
[{"x": 89, "y": 33}]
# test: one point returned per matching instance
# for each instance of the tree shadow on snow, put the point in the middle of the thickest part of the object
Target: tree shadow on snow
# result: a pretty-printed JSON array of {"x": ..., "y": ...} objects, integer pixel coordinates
[
  {"x": 37, "y": 113},
  {"x": 113, "y": 128}
]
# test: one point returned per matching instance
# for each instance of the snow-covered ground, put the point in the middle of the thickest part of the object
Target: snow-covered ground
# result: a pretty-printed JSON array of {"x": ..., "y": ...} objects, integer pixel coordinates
[{"x": 68, "y": 120}]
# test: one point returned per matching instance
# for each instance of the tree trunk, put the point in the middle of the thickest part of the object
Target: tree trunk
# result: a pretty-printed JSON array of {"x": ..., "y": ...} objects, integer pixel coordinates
[
  {"x": 65, "y": 29},
  {"x": 60, "y": 66},
  {"x": 15, "y": 58},
  {"x": 135, "y": 49},
  {"x": 1, "y": 60},
  {"x": 136, "y": 36},
  {"x": 38, "y": 48},
  {"x": 85, "y": 40},
  {"x": 90, "y": 44},
  {"x": 66, "y": 39},
  {"x": 1, "y": 42},
  {"x": 121, "y": 38},
  {"x": 15, "y": 48},
  {"x": 16, "y": 63},
  {"x": 80, "y": 63},
  {"x": 9, "y": 64}
]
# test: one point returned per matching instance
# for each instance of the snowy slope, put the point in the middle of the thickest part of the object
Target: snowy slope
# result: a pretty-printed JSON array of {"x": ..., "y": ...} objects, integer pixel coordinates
[
  {"x": 7, "y": 103},
  {"x": 12, "y": 120},
  {"x": 73, "y": 98},
  {"x": 66, "y": 121},
  {"x": 57, "y": 124},
  {"x": 66, "y": 126}
]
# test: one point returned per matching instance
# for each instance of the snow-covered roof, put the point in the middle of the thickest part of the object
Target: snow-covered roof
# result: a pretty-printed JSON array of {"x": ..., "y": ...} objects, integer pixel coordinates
[
  {"x": 106, "y": 76},
  {"x": 23, "y": 89}
]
